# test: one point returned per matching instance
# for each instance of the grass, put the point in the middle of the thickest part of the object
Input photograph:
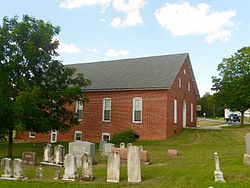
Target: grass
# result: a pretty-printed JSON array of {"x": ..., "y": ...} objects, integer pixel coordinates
[
  {"x": 193, "y": 168},
  {"x": 203, "y": 123}
]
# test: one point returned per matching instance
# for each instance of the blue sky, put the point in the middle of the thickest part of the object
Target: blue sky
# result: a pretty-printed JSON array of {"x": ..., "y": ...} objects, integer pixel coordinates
[{"x": 96, "y": 30}]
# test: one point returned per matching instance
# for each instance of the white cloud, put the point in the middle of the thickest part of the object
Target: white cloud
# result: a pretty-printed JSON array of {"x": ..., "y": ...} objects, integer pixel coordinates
[
  {"x": 131, "y": 9},
  {"x": 72, "y": 4},
  {"x": 103, "y": 20},
  {"x": 92, "y": 50},
  {"x": 183, "y": 19},
  {"x": 67, "y": 48},
  {"x": 117, "y": 53}
]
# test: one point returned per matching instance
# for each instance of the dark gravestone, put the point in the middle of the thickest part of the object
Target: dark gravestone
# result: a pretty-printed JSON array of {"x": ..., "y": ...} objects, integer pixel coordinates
[{"x": 29, "y": 158}]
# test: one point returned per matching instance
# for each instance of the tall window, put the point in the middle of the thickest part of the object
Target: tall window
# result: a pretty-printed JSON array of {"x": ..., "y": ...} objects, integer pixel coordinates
[
  {"x": 192, "y": 112},
  {"x": 106, "y": 113},
  {"x": 179, "y": 82},
  {"x": 137, "y": 110},
  {"x": 175, "y": 111},
  {"x": 189, "y": 86},
  {"x": 78, "y": 136},
  {"x": 106, "y": 137},
  {"x": 79, "y": 110}
]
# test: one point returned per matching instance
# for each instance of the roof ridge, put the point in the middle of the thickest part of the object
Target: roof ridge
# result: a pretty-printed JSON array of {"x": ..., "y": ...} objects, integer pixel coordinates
[{"x": 128, "y": 59}]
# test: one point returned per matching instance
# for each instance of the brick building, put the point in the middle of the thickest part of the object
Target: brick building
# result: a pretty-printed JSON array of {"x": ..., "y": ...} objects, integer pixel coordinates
[{"x": 154, "y": 96}]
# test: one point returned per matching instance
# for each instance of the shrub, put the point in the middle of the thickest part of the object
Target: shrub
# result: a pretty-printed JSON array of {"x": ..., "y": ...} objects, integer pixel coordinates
[{"x": 125, "y": 136}]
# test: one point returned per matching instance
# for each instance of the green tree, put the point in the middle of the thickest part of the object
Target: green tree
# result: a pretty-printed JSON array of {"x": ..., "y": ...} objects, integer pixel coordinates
[
  {"x": 210, "y": 106},
  {"x": 35, "y": 88},
  {"x": 233, "y": 83}
]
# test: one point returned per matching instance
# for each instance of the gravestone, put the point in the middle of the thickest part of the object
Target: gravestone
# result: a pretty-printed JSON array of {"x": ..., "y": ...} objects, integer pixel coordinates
[
  {"x": 144, "y": 157},
  {"x": 246, "y": 157},
  {"x": 6, "y": 163},
  {"x": 57, "y": 175},
  {"x": 134, "y": 164},
  {"x": 39, "y": 173},
  {"x": 173, "y": 152},
  {"x": 90, "y": 149},
  {"x": 108, "y": 148},
  {"x": 47, "y": 155},
  {"x": 70, "y": 168},
  {"x": 18, "y": 169},
  {"x": 101, "y": 146},
  {"x": 218, "y": 175},
  {"x": 59, "y": 154},
  {"x": 29, "y": 158},
  {"x": 113, "y": 169},
  {"x": 87, "y": 170},
  {"x": 79, "y": 148},
  {"x": 122, "y": 145}
]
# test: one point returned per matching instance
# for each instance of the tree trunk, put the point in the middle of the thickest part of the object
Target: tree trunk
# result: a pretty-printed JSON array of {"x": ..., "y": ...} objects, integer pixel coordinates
[
  {"x": 10, "y": 144},
  {"x": 242, "y": 119}
]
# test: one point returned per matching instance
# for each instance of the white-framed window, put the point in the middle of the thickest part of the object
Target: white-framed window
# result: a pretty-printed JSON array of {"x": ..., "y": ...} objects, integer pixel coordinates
[
  {"x": 32, "y": 134},
  {"x": 137, "y": 110},
  {"x": 189, "y": 86},
  {"x": 175, "y": 111},
  {"x": 53, "y": 136},
  {"x": 184, "y": 71},
  {"x": 179, "y": 82},
  {"x": 192, "y": 112},
  {"x": 106, "y": 137},
  {"x": 78, "y": 136},
  {"x": 106, "y": 112},
  {"x": 79, "y": 110}
]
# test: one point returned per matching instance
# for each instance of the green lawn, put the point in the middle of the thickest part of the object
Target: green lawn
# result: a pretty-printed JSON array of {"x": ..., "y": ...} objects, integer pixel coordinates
[{"x": 193, "y": 168}]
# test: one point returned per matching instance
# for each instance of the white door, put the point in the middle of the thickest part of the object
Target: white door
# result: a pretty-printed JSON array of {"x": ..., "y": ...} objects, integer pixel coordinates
[
  {"x": 53, "y": 136},
  {"x": 184, "y": 114}
]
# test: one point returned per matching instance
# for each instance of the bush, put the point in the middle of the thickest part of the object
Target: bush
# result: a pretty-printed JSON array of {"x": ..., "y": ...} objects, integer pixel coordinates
[{"x": 125, "y": 136}]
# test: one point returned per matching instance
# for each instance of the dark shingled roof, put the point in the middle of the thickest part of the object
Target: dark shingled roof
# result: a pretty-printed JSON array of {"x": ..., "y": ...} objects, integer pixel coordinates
[{"x": 157, "y": 72}]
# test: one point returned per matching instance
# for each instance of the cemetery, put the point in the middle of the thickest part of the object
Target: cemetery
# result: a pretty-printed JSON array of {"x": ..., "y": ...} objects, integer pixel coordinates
[{"x": 193, "y": 158}]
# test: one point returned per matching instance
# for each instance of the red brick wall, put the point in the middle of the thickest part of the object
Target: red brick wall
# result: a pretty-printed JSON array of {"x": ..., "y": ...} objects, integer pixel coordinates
[
  {"x": 153, "y": 126},
  {"x": 180, "y": 94}
]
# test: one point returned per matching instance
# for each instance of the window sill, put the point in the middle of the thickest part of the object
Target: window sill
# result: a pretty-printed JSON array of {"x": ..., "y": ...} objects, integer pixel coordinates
[
  {"x": 137, "y": 122},
  {"x": 106, "y": 121}
]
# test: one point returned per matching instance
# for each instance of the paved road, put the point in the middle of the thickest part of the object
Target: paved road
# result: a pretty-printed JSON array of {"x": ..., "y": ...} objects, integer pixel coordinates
[{"x": 217, "y": 120}]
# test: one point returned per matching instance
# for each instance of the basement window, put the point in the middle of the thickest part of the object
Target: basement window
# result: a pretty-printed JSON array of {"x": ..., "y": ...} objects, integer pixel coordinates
[
  {"x": 106, "y": 137},
  {"x": 78, "y": 136}
]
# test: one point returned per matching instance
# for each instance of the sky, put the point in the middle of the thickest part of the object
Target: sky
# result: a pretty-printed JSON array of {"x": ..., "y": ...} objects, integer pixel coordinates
[{"x": 100, "y": 30}]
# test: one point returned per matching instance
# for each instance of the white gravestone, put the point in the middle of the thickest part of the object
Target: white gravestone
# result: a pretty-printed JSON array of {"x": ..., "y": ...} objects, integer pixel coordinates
[
  {"x": 18, "y": 169},
  {"x": 113, "y": 169},
  {"x": 7, "y": 168},
  {"x": 108, "y": 148},
  {"x": 122, "y": 145},
  {"x": 87, "y": 169},
  {"x": 90, "y": 149},
  {"x": 218, "y": 175},
  {"x": 70, "y": 168},
  {"x": 246, "y": 157},
  {"x": 134, "y": 164},
  {"x": 79, "y": 148},
  {"x": 47, "y": 155},
  {"x": 59, "y": 154},
  {"x": 101, "y": 146}
]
